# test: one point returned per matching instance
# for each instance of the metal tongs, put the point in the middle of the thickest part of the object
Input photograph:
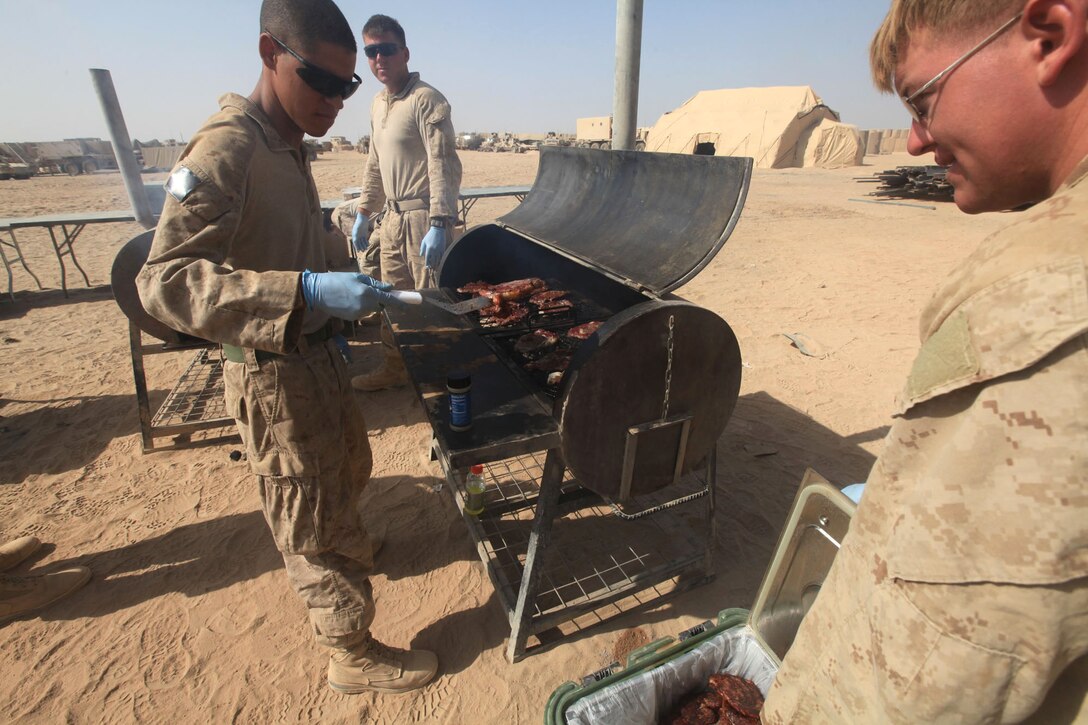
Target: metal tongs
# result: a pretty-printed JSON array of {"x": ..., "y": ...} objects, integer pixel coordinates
[{"x": 455, "y": 308}]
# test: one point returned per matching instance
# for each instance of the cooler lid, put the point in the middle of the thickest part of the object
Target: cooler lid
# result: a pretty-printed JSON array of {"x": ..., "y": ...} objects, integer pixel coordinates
[
  {"x": 653, "y": 220},
  {"x": 817, "y": 523}
]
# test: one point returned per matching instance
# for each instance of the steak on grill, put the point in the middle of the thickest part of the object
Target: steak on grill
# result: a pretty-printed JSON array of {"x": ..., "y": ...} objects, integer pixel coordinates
[
  {"x": 584, "y": 331},
  {"x": 536, "y": 341}
]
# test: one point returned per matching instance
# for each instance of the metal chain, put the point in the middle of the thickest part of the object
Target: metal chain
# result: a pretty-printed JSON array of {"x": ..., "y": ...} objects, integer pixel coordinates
[
  {"x": 660, "y": 507},
  {"x": 668, "y": 370}
]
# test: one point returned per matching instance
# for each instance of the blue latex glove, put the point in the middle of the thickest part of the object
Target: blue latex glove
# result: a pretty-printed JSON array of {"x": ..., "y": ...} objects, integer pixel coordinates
[
  {"x": 346, "y": 295},
  {"x": 359, "y": 232},
  {"x": 854, "y": 491},
  {"x": 433, "y": 247}
]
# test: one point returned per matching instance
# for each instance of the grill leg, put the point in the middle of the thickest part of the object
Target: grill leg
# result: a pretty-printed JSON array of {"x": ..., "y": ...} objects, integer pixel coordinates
[
  {"x": 143, "y": 401},
  {"x": 711, "y": 530},
  {"x": 547, "y": 505}
]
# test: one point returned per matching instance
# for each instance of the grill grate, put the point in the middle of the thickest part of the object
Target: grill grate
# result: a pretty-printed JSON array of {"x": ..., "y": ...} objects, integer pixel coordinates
[
  {"x": 198, "y": 394},
  {"x": 596, "y": 565}
]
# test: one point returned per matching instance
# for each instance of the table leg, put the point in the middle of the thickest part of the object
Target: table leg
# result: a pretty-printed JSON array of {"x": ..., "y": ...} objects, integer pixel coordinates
[
  {"x": 14, "y": 244},
  {"x": 546, "y": 508},
  {"x": 66, "y": 248},
  {"x": 466, "y": 206},
  {"x": 7, "y": 268}
]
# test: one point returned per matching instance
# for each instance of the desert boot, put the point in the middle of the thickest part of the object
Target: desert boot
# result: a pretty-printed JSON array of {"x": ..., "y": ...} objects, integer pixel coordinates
[
  {"x": 13, "y": 552},
  {"x": 22, "y": 594},
  {"x": 370, "y": 666}
]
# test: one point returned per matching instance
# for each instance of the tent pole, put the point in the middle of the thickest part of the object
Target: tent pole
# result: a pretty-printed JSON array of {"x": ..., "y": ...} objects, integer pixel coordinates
[
  {"x": 122, "y": 147},
  {"x": 628, "y": 52}
]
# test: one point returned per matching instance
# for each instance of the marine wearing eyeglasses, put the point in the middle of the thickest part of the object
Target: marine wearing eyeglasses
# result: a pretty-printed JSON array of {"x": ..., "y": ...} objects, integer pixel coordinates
[
  {"x": 960, "y": 594},
  {"x": 413, "y": 171},
  {"x": 238, "y": 258}
]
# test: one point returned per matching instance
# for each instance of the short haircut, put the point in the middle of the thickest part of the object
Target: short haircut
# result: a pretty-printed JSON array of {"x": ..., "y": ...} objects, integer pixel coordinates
[
  {"x": 942, "y": 17},
  {"x": 303, "y": 24},
  {"x": 380, "y": 24}
]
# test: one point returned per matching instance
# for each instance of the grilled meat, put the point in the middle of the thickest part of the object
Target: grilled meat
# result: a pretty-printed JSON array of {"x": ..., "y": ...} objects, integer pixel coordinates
[
  {"x": 555, "y": 361},
  {"x": 518, "y": 289},
  {"x": 546, "y": 296},
  {"x": 509, "y": 313},
  {"x": 731, "y": 700},
  {"x": 554, "y": 307},
  {"x": 584, "y": 331},
  {"x": 475, "y": 287},
  {"x": 740, "y": 694},
  {"x": 536, "y": 341},
  {"x": 700, "y": 709}
]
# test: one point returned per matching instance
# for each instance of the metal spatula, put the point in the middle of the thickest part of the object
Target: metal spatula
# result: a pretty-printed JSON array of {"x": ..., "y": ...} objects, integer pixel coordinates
[{"x": 456, "y": 308}]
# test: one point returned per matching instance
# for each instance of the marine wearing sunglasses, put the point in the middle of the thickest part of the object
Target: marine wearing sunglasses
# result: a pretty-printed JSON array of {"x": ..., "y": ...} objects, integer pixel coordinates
[
  {"x": 373, "y": 50},
  {"x": 327, "y": 84}
]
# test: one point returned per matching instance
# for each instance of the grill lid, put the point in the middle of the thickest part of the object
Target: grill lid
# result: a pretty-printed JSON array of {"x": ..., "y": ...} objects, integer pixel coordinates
[{"x": 652, "y": 220}]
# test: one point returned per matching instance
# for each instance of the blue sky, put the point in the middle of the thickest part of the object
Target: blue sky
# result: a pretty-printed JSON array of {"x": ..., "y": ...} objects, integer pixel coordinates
[{"x": 505, "y": 66}]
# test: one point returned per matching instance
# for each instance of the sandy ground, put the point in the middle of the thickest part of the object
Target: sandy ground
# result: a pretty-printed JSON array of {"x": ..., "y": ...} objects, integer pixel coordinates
[{"x": 189, "y": 615}]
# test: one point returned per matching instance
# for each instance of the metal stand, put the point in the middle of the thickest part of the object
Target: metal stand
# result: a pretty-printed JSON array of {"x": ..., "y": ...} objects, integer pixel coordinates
[
  {"x": 194, "y": 404},
  {"x": 561, "y": 560}
]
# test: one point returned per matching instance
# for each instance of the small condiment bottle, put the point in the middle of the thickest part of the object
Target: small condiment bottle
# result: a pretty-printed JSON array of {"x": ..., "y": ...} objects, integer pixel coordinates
[
  {"x": 474, "y": 490},
  {"x": 459, "y": 385}
]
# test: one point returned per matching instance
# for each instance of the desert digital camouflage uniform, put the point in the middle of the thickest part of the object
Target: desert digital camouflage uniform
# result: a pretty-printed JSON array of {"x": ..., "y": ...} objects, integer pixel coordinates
[
  {"x": 413, "y": 170},
  {"x": 224, "y": 266},
  {"x": 961, "y": 591},
  {"x": 343, "y": 216}
]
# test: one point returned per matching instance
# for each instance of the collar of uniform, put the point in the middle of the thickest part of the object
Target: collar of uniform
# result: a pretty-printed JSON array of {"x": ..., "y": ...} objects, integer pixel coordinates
[
  {"x": 413, "y": 78},
  {"x": 251, "y": 109},
  {"x": 1078, "y": 175}
]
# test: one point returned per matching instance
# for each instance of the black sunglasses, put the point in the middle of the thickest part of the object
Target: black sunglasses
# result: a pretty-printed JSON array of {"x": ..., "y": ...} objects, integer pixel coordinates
[
  {"x": 327, "y": 84},
  {"x": 371, "y": 51}
]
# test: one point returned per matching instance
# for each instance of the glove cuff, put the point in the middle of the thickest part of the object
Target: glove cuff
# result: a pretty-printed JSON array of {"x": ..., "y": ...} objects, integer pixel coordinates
[{"x": 308, "y": 282}]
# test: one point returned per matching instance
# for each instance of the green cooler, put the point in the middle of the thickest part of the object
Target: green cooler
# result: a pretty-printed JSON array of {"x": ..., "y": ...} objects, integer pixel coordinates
[{"x": 748, "y": 643}]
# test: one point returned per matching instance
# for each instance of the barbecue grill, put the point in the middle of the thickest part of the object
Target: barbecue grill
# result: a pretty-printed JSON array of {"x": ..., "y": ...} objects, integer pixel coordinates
[{"x": 620, "y": 442}]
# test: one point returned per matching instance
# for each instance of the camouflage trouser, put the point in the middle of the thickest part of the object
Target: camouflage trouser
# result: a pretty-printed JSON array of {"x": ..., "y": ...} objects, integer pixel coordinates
[
  {"x": 401, "y": 234},
  {"x": 343, "y": 216},
  {"x": 307, "y": 443}
]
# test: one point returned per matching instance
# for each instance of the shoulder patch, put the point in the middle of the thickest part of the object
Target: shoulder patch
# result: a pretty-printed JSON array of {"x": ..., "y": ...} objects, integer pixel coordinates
[
  {"x": 945, "y": 358},
  {"x": 181, "y": 183},
  {"x": 1002, "y": 329},
  {"x": 438, "y": 113}
]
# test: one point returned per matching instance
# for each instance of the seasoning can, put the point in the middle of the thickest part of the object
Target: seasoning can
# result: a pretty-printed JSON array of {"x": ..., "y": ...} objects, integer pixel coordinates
[{"x": 459, "y": 385}]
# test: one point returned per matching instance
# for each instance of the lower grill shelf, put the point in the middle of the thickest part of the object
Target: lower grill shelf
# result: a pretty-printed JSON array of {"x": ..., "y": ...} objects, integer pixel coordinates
[
  {"x": 591, "y": 564},
  {"x": 198, "y": 394},
  {"x": 194, "y": 411}
]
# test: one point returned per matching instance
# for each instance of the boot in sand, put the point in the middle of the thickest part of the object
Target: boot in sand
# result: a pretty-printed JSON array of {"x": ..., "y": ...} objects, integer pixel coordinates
[
  {"x": 22, "y": 594},
  {"x": 14, "y": 552},
  {"x": 391, "y": 374},
  {"x": 370, "y": 666}
]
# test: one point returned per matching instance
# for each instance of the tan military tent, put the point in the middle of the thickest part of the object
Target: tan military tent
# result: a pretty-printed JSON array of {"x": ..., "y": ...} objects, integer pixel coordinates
[
  {"x": 831, "y": 145},
  {"x": 779, "y": 127}
]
